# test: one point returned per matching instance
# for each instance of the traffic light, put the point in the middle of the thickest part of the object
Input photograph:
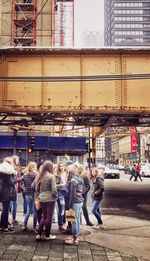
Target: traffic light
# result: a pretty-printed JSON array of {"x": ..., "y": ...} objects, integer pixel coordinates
[
  {"x": 29, "y": 150},
  {"x": 32, "y": 142}
]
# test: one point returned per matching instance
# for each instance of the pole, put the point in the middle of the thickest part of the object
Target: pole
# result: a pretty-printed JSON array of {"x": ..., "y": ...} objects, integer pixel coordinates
[
  {"x": 89, "y": 150},
  {"x": 15, "y": 141},
  {"x": 27, "y": 148}
]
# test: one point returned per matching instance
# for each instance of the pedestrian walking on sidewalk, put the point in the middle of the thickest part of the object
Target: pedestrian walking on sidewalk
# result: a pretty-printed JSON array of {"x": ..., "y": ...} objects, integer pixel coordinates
[
  {"x": 133, "y": 173},
  {"x": 75, "y": 201},
  {"x": 97, "y": 195},
  {"x": 7, "y": 192},
  {"x": 48, "y": 197},
  {"x": 137, "y": 171}
]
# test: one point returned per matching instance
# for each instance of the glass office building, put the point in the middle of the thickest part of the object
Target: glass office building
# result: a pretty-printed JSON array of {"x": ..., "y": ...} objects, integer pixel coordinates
[{"x": 127, "y": 22}]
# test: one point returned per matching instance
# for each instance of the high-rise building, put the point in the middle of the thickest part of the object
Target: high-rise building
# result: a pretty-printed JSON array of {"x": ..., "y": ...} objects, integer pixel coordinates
[
  {"x": 92, "y": 39},
  {"x": 126, "y": 22}
]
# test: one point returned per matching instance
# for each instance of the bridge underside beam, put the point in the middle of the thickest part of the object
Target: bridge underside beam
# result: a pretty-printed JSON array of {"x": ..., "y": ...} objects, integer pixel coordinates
[{"x": 74, "y": 119}]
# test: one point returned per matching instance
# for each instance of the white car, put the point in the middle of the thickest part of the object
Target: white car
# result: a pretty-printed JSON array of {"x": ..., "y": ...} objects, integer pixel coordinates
[
  {"x": 111, "y": 171},
  {"x": 145, "y": 170},
  {"x": 121, "y": 167}
]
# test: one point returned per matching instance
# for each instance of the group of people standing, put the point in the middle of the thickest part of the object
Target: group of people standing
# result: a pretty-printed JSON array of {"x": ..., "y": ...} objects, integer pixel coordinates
[{"x": 54, "y": 185}]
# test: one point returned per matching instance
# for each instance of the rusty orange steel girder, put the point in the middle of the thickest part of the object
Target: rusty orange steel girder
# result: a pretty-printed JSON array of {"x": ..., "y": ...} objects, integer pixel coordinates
[{"x": 91, "y": 87}]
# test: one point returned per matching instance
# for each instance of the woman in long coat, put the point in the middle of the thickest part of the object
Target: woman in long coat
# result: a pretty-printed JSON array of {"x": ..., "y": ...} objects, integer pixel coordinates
[{"x": 7, "y": 192}]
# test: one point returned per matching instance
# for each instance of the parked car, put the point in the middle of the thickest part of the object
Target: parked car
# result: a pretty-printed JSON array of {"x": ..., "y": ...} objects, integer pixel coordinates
[
  {"x": 111, "y": 171},
  {"x": 121, "y": 167},
  {"x": 145, "y": 170},
  {"x": 128, "y": 169}
]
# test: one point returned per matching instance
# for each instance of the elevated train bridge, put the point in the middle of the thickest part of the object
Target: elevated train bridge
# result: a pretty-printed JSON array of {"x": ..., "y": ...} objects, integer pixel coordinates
[{"x": 96, "y": 88}]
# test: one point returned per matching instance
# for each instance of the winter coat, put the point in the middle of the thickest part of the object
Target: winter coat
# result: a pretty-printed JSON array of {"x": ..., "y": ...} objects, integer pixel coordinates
[
  {"x": 86, "y": 187},
  {"x": 75, "y": 191},
  {"x": 97, "y": 188},
  {"x": 48, "y": 189},
  {"x": 36, "y": 189},
  {"x": 28, "y": 180},
  {"x": 7, "y": 183}
]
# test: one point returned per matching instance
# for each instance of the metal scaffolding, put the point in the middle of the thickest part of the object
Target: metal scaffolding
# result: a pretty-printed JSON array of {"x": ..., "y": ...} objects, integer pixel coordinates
[
  {"x": 24, "y": 22},
  {"x": 63, "y": 23}
]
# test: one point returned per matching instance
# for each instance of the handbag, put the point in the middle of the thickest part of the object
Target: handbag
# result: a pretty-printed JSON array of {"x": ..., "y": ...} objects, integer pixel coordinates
[
  {"x": 70, "y": 215},
  {"x": 37, "y": 203}
]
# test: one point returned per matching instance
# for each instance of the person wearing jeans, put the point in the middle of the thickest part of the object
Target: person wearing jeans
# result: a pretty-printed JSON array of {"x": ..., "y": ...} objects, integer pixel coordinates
[
  {"x": 97, "y": 195},
  {"x": 24, "y": 203},
  {"x": 46, "y": 183},
  {"x": 75, "y": 201},
  {"x": 96, "y": 211},
  {"x": 61, "y": 181},
  {"x": 77, "y": 207},
  {"x": 30, "y": 209},
  {"x": 47, "y": 216},
  {"x": 30, "y": 173},
  {"x": 13, "y": 207}
]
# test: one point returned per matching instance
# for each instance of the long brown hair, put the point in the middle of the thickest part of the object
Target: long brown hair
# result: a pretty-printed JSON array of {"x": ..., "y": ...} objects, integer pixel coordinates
[
  {"x": 58, "y": 168},
  {"x": 46, "y": 167},
  {"x": 91, "y": 176}
]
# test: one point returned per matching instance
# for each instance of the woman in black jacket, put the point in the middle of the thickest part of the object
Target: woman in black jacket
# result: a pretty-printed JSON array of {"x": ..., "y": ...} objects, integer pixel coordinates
[
  {"x": 97, "y": 195},
  {"x": 84, "y": 175},
  {"x": 30, "y": 173},
  {"x": 7, "y": 192}
]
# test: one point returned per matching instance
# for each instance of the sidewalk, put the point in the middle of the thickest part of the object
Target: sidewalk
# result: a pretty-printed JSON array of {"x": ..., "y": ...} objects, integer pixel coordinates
[{"x": 124, "y": 239}]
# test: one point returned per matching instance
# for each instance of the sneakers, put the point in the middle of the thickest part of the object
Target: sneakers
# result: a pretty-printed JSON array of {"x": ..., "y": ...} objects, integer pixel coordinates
[
  {"x": 15, "y": 223},
  {"x": 24, "y": 228},
  {"x": 38, "y": 237},
  {"x": 72, "y": 240},
  {"x": 51, "y": 237},
  {"x": 99, "y": 226},
  {"x": 35, "y": 230},
  {"x": 90, "y": 224},
  {"x": 62, "y": 229},
  {"x": 8, "y": 230}
]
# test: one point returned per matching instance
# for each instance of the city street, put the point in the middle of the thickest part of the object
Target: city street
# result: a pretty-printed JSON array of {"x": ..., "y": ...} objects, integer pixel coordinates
[
  {"x": 122, "y": 197},
  {"x": 127, "y": 198}
]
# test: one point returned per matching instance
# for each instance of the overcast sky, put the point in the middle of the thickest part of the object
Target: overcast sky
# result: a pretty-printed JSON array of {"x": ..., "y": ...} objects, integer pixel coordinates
[{"x": 89, "y": 15}]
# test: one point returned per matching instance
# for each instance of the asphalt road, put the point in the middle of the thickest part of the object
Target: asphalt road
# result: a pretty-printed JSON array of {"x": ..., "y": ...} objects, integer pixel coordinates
[{"x": 126, "y": 198}]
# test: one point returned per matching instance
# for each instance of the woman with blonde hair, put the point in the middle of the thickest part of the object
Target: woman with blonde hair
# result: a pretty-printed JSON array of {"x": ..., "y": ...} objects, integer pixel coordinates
[
  {"x": 48, "y": 196},
  {"x": 97, "y": 195},
  {"x": 18, "y": 186},
  {"x": 30, "y": 173}
]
